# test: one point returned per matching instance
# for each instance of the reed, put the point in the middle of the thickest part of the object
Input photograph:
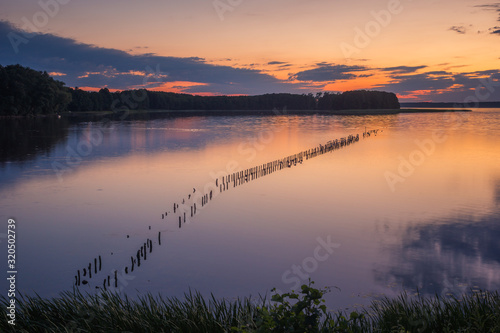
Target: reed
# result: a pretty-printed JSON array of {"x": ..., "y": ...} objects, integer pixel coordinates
[
  {"x": 111, "y": 312},
  {"x": 474, "y": 312}
]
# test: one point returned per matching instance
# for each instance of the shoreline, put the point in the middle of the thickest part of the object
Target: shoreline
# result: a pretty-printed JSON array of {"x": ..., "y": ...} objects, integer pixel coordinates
[
  {"x": 352, "y": 112},
  {"x": 180, "y": 113},
  {"x": 235, "y": 113}
]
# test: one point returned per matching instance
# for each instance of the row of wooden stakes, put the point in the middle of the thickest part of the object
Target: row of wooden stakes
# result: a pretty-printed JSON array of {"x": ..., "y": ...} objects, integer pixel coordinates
[
  {"x": 234, "y": 179},
  {"x": 245, "y": 176}
]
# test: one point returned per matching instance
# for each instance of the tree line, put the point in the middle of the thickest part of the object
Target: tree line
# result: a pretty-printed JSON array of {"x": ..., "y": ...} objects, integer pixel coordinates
[
  {"x": 24, "y": 91},
  {"x": 358, "y": 99},
  {"x": 155, "y": 100}
]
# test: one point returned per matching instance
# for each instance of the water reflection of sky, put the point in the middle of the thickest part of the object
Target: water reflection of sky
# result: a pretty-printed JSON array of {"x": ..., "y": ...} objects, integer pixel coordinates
[
  {"x": 436, "y": 231},
  {"x": 447, "y": 256}
]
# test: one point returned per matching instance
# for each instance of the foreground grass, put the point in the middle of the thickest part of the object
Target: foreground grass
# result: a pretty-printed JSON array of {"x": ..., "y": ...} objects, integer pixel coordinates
[
  {"x": 477, "y": 312},
  {"x": 303, "y": 312},
  {"x": 75, "y": 312}
]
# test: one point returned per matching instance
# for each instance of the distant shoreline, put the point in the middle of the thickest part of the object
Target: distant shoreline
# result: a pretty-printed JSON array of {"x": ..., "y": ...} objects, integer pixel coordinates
[
  {"x": 179, "y": 113},
  {"x": 448, "y": 105},
  {"x": 360, "y": 112}
]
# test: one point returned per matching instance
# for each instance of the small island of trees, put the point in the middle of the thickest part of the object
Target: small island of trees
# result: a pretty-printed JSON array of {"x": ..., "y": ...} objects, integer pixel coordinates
[{"x": 27, "y": 92}]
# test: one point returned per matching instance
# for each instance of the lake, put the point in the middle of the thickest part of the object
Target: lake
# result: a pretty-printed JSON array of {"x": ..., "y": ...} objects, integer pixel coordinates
[{"x": 414, "y": 206}]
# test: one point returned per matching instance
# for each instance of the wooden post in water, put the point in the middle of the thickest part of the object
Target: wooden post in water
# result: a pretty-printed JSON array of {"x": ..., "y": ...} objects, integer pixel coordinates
[
  {"x": 116, "y": 279},
  {"x": 159, "y": 237},
  {"x": 100, "y": 263}
]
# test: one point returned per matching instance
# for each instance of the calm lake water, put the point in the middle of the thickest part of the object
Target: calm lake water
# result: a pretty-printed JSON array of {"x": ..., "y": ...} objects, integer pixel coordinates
[{"x": 416, "y": 206}]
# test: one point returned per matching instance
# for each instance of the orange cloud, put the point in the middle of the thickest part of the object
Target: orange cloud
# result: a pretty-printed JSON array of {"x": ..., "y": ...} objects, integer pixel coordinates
[
  {"x": 359, "y": 83},
  {"x": 56, "y": 74},
  {"x": 177, "y": 86},
  {"x": 419, "y": 94}
]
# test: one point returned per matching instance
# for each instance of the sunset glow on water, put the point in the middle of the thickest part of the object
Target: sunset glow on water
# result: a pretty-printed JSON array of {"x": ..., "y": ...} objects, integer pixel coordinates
[{"x": 390, "y": 203}]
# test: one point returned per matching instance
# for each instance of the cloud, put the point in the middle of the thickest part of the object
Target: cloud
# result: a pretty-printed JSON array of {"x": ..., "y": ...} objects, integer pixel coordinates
[
  {"x": 90, "y": 66},
  {"x": 328, "y": 73},
  {"x": 495, "y": 30},
  {"x": 492, "y": 7},
  {"x": 409, "y": 83},
  {"x": 443, "y": 86},
  {"x": 85, "y": 65},
  {"x": 280, "y": 65},
  {"x": 459, "y": 29},
  {"x": 402, "y": 69}
]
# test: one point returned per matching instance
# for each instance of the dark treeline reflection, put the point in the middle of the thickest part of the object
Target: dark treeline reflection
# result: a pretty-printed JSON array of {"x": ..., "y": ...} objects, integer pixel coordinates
[
  {"x": 45, "y": 146},
  {"x": 446, "y": 257},
  {"x": 24, "y": 139}
]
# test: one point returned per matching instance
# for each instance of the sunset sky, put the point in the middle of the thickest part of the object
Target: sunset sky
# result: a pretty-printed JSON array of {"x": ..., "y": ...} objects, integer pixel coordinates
[{"x": 422, "y": 50}]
